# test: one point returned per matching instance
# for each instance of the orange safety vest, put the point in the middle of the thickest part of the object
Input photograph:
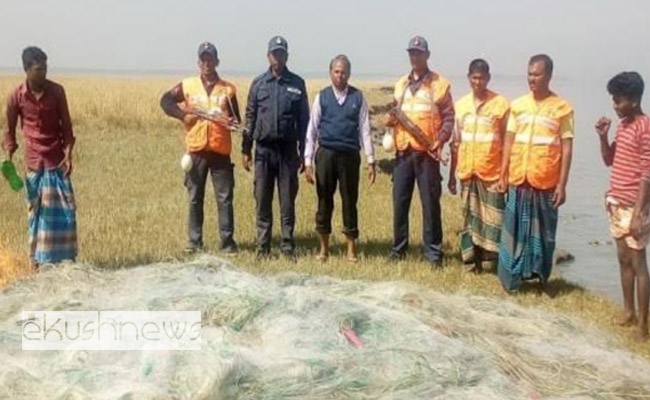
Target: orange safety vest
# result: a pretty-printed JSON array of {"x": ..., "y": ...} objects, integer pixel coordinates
[
  {"x": 207, "y": 135},
  {"x": 421, "y": 108},
  {"x": 480, "y": 136},
  {"x": 536, "y": 155}
]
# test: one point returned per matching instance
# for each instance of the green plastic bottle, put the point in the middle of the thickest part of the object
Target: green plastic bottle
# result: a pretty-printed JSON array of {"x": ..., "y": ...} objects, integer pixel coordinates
[{"x": 11, "y": 175}]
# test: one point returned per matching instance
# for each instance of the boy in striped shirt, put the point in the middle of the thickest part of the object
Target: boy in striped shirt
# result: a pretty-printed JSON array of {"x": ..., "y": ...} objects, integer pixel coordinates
[{"x": 628, "y": 199}]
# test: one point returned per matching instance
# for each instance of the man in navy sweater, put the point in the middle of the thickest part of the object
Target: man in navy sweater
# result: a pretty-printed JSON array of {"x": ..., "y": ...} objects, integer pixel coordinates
[{"x": 340, "y": 125}]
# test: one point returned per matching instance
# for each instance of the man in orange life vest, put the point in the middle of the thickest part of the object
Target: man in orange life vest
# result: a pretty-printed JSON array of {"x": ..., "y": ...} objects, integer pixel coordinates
[
  {"x": 536, "y": 162},
  {"x": 481, "y": 118},
  {"x": 208, "y": 143},
  {"x": 425, "y": 98}
]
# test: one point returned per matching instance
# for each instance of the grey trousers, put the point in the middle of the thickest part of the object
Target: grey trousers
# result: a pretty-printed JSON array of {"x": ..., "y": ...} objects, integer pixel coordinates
[
  {"x": 220, "y": 169},
  {"x": 276, "y": 165}
]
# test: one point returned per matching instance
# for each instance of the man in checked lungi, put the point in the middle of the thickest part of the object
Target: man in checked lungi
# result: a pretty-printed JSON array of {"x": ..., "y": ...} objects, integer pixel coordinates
[
  {"x": 42, "y": 109},
  {"x": 481, "y": 118},
  {"x": 536, "y": 163}
]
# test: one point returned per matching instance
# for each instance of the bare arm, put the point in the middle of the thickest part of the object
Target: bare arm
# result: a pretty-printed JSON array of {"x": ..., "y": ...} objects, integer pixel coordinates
[
  {"x": 235, "y": 109},
  {"x": 567, "y": 155},
  {"x": 505, "y": 157},
  {"x": 170, "y": 100},
  {"x": 607, "y": 151},
  {"x": 448, "y": 115},
  {"x": 453, "y": 149}
]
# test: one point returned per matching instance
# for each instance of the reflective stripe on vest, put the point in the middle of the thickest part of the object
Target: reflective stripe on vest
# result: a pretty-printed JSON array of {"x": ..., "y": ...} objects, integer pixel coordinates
[
  {"x": 536, "y": 155},
  {"x": 421, "y": 108},
  {"x": 205, "y": 134},
  {"x": 480, "y": 147}
]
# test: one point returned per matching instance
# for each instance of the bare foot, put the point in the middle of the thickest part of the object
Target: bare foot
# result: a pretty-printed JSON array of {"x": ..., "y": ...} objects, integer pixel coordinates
[
  {"x": 352, "y": 250},
  {"x": 627, "y": 319},
  {"x": 641, "y": 334},
  {"x": 477, "y": 268}
]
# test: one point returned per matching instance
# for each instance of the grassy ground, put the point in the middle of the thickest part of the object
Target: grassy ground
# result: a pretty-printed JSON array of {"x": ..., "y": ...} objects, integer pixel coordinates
[{"x": 132, "y": 205}]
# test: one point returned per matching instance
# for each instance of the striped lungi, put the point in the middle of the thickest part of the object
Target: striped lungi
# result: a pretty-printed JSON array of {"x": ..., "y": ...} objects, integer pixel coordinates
[
  {"x": 528, "y": 236},
  {"x": 483, "y": 214},
  {"x": 52, "y": 220}
]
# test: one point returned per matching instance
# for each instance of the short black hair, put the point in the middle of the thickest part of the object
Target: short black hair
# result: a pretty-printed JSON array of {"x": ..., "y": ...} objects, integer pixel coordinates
[
  {"x": 479, "y": 65},
  {"x": 627, "y": 84},
  {"x": 548, "y": 62},
  {"x": 33, "y": 55},
  {"x": 343, "y": 58}
]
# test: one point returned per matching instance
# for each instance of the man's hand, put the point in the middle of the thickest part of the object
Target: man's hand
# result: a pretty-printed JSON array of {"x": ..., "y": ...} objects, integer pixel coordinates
[
  {"x": 603, "y": 125},
  {"x": 436, "y": 151},
  {"x": 635, "y": 226},
  {"x": 246, "y": 162},
  {"x": 10, "y": 154},
  {"x": 309, "y": 174},
  {"x": 391, "y": 119},
  {"x": 190, "y": 119},
  {"x": 502, "y": 184},
  {"x": 301, "y": 168},
  {"x": 372, "y": 173},
  {"x": 451, "y": 185},
  {"x": 559, "y": 197},
  {"x": 66, "y": 164}
]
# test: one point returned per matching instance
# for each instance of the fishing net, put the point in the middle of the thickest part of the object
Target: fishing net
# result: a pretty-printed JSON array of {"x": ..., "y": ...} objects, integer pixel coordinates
[{"x": 292, "y": 336}]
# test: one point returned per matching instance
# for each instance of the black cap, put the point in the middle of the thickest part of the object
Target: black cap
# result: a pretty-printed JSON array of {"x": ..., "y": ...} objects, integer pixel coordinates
[
  {"x": 418, "y": 43},
  {"x": 278, "y": 42},
  {"x": 207, "y": 47}
]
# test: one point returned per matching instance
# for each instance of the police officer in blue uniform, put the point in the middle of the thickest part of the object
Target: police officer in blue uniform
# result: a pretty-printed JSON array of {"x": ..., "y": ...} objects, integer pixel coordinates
[{"x": 277, "y": 116}]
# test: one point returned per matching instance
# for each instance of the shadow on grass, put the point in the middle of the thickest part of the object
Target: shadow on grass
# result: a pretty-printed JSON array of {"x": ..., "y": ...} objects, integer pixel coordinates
[{"x": 554, "y": 288}]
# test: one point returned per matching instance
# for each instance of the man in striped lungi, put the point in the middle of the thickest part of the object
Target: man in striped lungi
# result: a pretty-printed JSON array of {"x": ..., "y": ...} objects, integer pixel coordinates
[
  {"x": 42, "y": 108},
  {"x": 481, "y": 118}
]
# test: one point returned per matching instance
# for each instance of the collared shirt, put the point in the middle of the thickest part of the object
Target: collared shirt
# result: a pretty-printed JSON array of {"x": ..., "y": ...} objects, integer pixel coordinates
[
  {"x": 631, "y": 159},
  {"x": 45, "y": 123},
  {"x": 314, "y": 127},
  {"x": 446, "y": 107},
  {"x": 277, "y": 112}
]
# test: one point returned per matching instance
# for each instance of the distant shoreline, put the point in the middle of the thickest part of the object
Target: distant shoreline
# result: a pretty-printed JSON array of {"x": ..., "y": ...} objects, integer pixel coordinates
[{"x": 235, "y": 74}]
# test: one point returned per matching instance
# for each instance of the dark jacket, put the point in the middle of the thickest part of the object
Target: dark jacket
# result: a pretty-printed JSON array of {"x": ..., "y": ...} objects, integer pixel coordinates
[{"x": 277, "y": 113}]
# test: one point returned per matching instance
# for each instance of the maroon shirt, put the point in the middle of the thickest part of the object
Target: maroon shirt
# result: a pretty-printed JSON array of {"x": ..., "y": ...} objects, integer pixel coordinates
[{"x": 46, "y": 125}]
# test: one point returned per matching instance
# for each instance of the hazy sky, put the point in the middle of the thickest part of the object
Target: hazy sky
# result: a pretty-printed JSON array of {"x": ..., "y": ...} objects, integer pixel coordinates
[{"x": 594, "y": 37}]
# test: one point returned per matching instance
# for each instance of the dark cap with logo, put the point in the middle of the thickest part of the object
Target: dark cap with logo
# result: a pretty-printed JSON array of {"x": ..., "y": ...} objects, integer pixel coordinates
[
  {"x": 278, "y": 43},
  {"x": 418, "y": 43},
  {"x": 209, "y": 48}
]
